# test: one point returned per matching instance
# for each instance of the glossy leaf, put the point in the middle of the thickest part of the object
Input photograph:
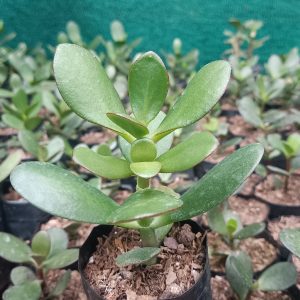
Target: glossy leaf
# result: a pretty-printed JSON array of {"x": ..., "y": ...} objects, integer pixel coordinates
[
  {"x": 14, "y": 249},
  {"x": 11, "y": 161},
  {"x": 278, "y": 277},
  {"x": 145, "y": 169},
  {"x": 137, "y": 256},
  {"x": 239, "y": 273},
  {"x": 41, "y": 243},
  {"x": 102, "y": 165},
  {"x": 61, "y": 259},
  {"x": 290, "y": 238},
  {"x": 143, "y": 150},
  {"x": 144, "y": 204},
  {"x": 27, "y": 291},
  {"x": 130, "y": 125},
  {"x": 148, "y": 86},
  {"x": 21, "y": 274},
  {"x": 250, "y": 231},
  {"x": 51, "y": 188},
  {"x": 202, "y": 93},
  {"x": 188, "y": 153},
  {"x": 219, "y": 183},
  {"x": 84, "y": 85}
]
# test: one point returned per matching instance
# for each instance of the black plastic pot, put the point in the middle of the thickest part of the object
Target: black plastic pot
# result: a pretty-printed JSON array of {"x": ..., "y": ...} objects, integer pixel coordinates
[
  {"x": 1, "y": 217},
  {"x": 22, "y": 219},
  {"x": 202, "y": 168},
  {"x": 229, "y": 113},
  {"x": 199, "y": 291}
]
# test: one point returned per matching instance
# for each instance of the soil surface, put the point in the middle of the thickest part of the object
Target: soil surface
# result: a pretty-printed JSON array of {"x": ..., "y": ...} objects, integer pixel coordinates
[
  {"x": 179, "y": 265},
  {"x": 238, "y": 126},
  {"x": 261, "y": 252},
  {"x": 97, "y": 137},
  {"x": 74, "y": 290},
  {"x": 248, "y": 187},
  {"x": 276, "y": 226},
  {"x": 221, "y": 290},
  {"x": 249, "y": 210},
  {"x": 269, "y": 193}
]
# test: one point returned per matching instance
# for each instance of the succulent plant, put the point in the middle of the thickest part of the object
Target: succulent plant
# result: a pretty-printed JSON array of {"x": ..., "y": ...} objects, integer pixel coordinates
[{"x": 145, "y": 139}]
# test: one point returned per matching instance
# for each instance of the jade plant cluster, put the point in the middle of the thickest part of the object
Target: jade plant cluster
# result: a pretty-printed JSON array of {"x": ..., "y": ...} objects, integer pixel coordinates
[
  {"x": 48, "y": 251},
  {"x": 145, "y": 138}
]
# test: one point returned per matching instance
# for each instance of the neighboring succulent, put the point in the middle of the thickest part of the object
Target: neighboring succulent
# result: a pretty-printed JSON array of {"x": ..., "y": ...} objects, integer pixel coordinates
[
  {"x": 290, "y": 238},
  {"x": 145, "y": 140},
  {"x": 239, "y": 273},
  {"x": 7, "y": 165},
  {"x": 48, "y": 251}
]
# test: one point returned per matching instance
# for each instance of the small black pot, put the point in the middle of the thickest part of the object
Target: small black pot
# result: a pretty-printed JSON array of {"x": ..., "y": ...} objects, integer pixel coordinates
[
  {"x": 229, "y": 113},
  {"x": 1, "y": 216},
  {"x": 202, "y": 168},
  {"x": 199, "y": 291},
  {"x": 22, "y": 219}
]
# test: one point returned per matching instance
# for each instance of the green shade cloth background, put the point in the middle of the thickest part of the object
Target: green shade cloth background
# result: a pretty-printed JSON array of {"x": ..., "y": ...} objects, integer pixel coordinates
[{"x": 199, "y": 23}]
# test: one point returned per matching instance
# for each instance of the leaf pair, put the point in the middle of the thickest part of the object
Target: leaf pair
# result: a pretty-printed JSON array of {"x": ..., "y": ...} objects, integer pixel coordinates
[
  {"x": 86, "y": 88},
  {"x": 239, "y": 273}
]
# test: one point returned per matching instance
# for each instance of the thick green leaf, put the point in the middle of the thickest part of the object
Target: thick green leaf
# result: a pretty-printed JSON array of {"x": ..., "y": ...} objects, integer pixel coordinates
[
  {"x": 219, "y": 183},
  {"x": 143, "y": 150},
  {"x": 291, "y": 240},
  {"x": 216, "y": 220},
  {"x": 20, "y": 101},
  {"x": 58, "y": 240},
  {"x": 29, "y": 142},
  {"x": 201, "y": 94},
  {"x": 161, "y": 232},
  {"x": 61, "y": 193},
  {"x": 102, "y": 165},
  {"x": 239, "y": 273},
  {"x": 137, "y": 256},
  {"x": 144, "y": 204},
  {"x": 117, "y": 32},
  {"x": 84, "y": 85},
  {"x": 188, "y": 153},
  {"x": 148, "y": 86},
  {"x": 145, "y": 169},
  {"x": 6, "y": 93},
  {"x": 32, "y": 123},
  {"x": 55, "y": 149},
  {"x": 61, "y": 284},
  {"x": 41, "y": 243},
  {"x": 27, "y": 291},
  {"x": 250, "y": 111},
  {"x": 14, "y": 249},
  {"x": 13, "y": 121},
  {"x": 250, "y": 231},
  {"x": 61, "y": 259},
  {"x": 9, "y": 163},
  {"x": 278, "y": 277},
  {"x": 21, "y": 274},
  {"x": 74, "y": 33},
  {"x": 130, "y": 125}
]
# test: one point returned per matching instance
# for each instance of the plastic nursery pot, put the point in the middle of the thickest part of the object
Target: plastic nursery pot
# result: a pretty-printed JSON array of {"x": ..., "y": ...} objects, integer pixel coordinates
[
  {"x": 199, "y": 291},
  {"x": 22, "y": 219},
  {"x": 202, "y": 168},
  {"x": 1, "y": 216}
]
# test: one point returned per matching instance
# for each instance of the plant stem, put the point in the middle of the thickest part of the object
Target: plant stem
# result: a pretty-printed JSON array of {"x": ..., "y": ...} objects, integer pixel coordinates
[
  {"x": 286, "y": 181},
  {"x": 148, "y": 237}
]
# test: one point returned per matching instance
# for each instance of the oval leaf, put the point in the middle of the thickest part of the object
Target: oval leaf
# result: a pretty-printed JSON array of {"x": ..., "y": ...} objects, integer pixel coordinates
[
  {"x": 188, "y": 153},
  {"x": 41, "y": 243},
  {"x": 239, "y": 273},
  {"x": 130, "y": 125},
  {"x": 14, "y": 249},
  {"x": 61, "y": 193},
  {"x": 21, "y": 274},
  {"x": 278, "y": 277},
  {"x": 148, "y": 86},
  {"x": 27, "y": 291},
  {"x": 84, "y": 85},
  {"x": 61, "y": 259},
  {"x": 102, "y": 165},
  {"x": 145, "y": 169},
  {"x": 250, "y": 231},
  {"x": 291, "y": 240},
  {"x": 144, "y": 204},
  {"x": 137, "y": 256},
  {"x": 199, "y": 97},
  {"x": 58, "y": 240},
  {"x": 9, "y": 163}
]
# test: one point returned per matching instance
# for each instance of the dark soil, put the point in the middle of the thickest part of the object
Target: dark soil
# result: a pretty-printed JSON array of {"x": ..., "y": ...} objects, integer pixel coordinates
[
  {"x": 179, "y": 265},
  {"x": 262, "y": 253},
  {"x": 269, "y": 193},
  {"x": 249, "y": 210}
]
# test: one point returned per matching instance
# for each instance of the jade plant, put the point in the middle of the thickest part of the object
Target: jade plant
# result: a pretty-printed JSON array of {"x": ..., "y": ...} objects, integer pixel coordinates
[
  {"x": 8, "y": 164},
  {"x": 228, "y": 225},
  {"x": 48, "y": 251},
  {"x": 145, "y": 139},
  {"x": 239, "y": 273},
  {"x": 290, "y": 238}
]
